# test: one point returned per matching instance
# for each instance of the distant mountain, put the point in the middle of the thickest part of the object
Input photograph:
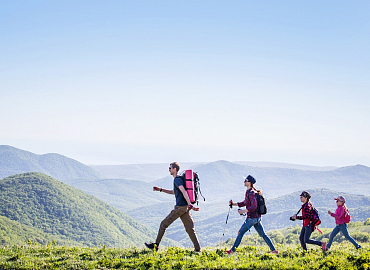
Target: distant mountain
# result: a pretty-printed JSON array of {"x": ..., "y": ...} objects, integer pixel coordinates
[
  {"x": 123, "y": 194},
  {"x": 285, "y": 165},
  {"x": 142, "y": 172},
  {"x": 153, "y": 171},
  {"x": 50, "y": 206},
  {"x": 14, "y": 161}
]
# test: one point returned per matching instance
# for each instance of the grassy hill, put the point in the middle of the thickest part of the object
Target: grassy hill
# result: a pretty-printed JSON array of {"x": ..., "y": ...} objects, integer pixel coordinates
[
  {"x": 30, "y": 257},
  {"x": 14, "y": 161},
  {"x": 15, "y": 233},
  {"x": 37, "y": 200}
]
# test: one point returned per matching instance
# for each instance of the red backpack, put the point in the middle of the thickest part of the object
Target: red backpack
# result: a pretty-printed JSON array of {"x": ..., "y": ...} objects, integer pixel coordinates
[{"x": 346, "y": 217}]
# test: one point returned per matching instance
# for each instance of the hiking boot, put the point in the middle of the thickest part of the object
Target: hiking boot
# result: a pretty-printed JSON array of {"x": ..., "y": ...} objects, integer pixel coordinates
[
  {"x": 152, "y": 246},
  {"x": 229, "y": 252},
  {"x": 323, "y": 246},
  {"x": 275, "y": 252}
]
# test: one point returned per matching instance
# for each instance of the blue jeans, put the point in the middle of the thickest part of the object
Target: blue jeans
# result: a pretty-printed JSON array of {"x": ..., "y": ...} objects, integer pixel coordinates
[
  {"x": 304, "y": 238},
  {"x": 343, "y": 229},
  {"x": 247, "y": 225}
]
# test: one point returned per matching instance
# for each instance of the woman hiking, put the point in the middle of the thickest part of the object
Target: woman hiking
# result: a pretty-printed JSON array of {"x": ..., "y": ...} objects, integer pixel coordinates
[
  {"x": 307, "y": 216},
  {"x": 340, "y": 216},
  {"x": 253, "y": 218}
]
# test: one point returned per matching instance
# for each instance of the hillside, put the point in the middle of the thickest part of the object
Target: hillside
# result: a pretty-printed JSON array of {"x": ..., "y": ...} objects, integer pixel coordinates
[
  {"x": 37, "y": 200},
  {"x": 14, "y": 161},
  {"x": 15, "y": 233}
]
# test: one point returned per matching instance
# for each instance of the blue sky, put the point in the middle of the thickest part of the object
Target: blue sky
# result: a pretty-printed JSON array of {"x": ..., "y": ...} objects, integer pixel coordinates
[{"x": 113, "y": 82}]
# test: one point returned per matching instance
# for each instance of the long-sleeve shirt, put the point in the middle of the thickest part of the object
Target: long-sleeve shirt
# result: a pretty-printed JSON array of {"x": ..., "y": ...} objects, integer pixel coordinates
[
  {"x": 250, "y": 203},
  {"x": 307, "y": 213},
  {"x": 339, "y": 215}
]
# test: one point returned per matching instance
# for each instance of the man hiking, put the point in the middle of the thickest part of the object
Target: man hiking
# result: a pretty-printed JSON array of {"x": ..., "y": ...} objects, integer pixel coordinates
[{"x": 181, "y": 209}]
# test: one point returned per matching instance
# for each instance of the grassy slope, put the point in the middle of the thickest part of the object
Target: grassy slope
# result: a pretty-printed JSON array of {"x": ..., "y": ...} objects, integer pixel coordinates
[
  {"x": 15, "y": 233},
  {"x": 291, "y": 257}
]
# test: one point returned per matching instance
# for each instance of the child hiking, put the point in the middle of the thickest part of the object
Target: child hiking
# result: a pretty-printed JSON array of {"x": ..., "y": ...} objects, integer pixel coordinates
[
  {"x": 307, "y": 217},
  {"x": 253, "y": 218},
  {"x": 181, "y": 210},
  {"x": 341, "y": 216}
]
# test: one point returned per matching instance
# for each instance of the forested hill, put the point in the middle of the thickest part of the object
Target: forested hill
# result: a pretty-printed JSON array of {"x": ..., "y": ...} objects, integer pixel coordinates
[
  {"x": 55, "y": 208},
  {"x": 15, "y": 233},
  {"x": 14, "y": 161}
]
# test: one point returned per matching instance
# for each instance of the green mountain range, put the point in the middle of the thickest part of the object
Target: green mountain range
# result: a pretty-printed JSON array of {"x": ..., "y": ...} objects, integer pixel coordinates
[
  {"x": 56, "y": 209},
  {"x": 14, "y": 161}
]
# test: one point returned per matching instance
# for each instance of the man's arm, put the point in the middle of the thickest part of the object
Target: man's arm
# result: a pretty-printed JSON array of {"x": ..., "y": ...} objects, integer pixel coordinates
[
  {"x": 186, "y": 196},
  {"x": 168, "y": 191}
]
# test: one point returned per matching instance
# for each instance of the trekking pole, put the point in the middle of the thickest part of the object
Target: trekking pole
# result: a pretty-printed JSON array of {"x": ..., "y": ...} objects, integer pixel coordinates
[{"x": 227, "y": 217}]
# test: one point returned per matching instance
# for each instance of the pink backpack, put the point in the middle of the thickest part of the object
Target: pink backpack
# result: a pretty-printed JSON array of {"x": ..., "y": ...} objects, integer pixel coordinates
[{"x": 346, "y": 217}]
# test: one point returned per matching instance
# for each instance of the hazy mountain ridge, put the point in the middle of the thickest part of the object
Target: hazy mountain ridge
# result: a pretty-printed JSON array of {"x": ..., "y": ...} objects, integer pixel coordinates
[
  {"x": 285, "y": 165},
  {"x": 141, "y": 172},
  {"x": 15, "y": 161},
  {"x": 153, "y": 171}
]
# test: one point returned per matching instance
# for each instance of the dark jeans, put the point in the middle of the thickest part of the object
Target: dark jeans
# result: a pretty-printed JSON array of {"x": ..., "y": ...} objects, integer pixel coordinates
[
  {"x": 305, "y": 237},
  {"x": 341, "y": 228}
]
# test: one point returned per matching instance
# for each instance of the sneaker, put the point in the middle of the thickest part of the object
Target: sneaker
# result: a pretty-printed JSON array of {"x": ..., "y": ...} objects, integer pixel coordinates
[
  {"x": 359, "y": 247},
  {"x": 152, "y": 246},
  {"x": 229, "y": 251},
  {"x": 275, "y": 252},
  {"x": 323, "y": 246}
]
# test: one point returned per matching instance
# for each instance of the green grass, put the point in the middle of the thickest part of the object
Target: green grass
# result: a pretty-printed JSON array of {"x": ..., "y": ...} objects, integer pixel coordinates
[{"x": 30, "y": 256}]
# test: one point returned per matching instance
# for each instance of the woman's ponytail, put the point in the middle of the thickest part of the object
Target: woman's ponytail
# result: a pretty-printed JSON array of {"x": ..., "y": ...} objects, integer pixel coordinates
[{"x": 258, "y": 190}]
